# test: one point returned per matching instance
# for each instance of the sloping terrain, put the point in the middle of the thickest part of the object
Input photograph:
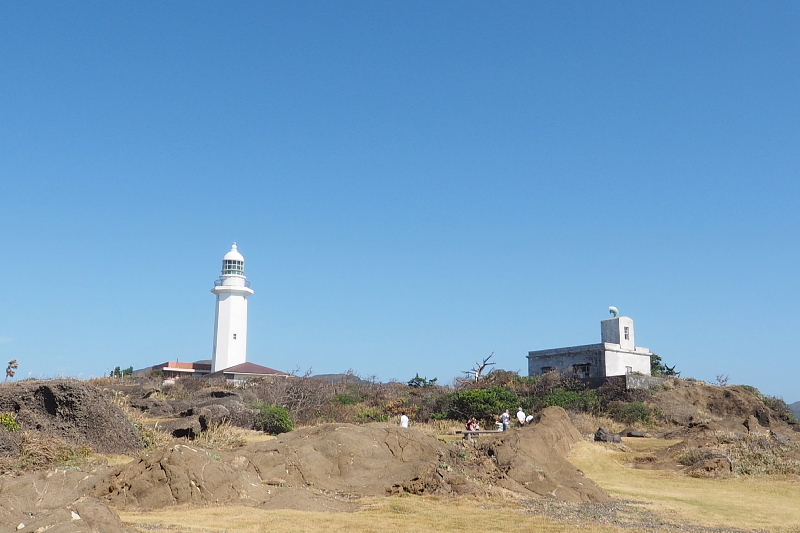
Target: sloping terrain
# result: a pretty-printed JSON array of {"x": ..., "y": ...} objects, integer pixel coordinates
[
  {"x": 533, "y": 459},
  {"x": 716, "y": 432},
  {"x": 689, "y": 404},
  {"x": 333, "y": 462},
  {"x": 795, "y": 409}
]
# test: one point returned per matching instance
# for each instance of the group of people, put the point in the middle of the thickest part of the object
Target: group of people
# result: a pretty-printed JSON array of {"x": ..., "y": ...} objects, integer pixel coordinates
[
  {"x": 472, "y": 424},
  {"x": 505, "y": 419},
  {"x": 504, "y": 423}
]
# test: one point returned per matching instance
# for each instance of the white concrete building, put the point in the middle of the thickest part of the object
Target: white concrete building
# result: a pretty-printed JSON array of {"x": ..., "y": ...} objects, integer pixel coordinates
[
  {"x": 616, "y": 354},
  {"x": 230, "y": 323}
]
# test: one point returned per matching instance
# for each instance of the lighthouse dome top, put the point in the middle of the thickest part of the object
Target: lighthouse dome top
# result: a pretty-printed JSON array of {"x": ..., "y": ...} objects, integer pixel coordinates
[
  {"x": 233, "y": 255},
  {"x": 233, "y": 263}
]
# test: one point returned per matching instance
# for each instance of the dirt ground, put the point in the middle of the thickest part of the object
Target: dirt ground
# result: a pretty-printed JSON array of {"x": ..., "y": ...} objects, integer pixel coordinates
[
  {"x": 322, "y": 468},
  {"x": 329, "y": 466}
]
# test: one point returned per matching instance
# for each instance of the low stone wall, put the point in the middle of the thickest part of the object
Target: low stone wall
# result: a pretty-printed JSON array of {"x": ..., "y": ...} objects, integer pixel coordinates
[{"x": 636, "y": 381}]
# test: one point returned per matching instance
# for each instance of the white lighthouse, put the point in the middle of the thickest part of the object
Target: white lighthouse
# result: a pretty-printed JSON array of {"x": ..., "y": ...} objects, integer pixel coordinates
[{"x": 230, "y": 323}]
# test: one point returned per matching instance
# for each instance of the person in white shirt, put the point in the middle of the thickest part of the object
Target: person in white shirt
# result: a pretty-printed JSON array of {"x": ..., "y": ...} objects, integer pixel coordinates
[
  {"x": 520, "y": 416},
  {"x": 403, "y": 420},
  {"x": 505, "y": 420}
]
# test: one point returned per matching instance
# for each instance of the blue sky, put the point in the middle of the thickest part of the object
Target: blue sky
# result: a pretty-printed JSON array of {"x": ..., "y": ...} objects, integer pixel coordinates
[{"x": 414, "y": 185}]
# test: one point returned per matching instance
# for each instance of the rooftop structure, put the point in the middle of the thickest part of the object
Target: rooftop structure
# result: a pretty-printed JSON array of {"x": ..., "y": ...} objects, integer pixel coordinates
[{"x": 616, "y": 354}]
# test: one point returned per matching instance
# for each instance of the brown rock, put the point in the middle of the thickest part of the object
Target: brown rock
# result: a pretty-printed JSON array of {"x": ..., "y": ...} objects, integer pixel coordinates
[
  {"x": 75, "y": 411},
  {"x": 187, "y": 427},
  {"x": 715, "y": 466},
  {"x": 345, "y": 459},
  {"x": 753, "y": 426},
  {"x": 604, "y": 435},
  {"x": 213, "y": 414}
]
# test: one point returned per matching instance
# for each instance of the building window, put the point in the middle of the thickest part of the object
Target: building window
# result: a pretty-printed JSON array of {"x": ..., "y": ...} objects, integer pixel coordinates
[
  {"x": 581, "y": 371},
  {"x": 546, "y": 369},
  {"x": 234, "y": 336},
  {"x": 628, "y": 369},
  {"x": 627, "y": 334},
  {"x": 233, "y": 267}
]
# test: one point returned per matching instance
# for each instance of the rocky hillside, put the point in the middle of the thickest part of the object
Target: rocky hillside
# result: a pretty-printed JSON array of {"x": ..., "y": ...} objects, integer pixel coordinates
[
  {"x": 722, "y": 431},
  {"x": 72, "y": 411},
  {"x": 795, "y": 408}
]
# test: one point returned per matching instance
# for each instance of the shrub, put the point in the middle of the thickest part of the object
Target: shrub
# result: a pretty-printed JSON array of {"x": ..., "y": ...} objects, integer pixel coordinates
[
  {"x": 753, "y": 454},
  {"x": 39, "y": 450},
  {"x": 631, "y": 413},
  {"x": 346, "y": 398},
  {"x": 9, "y": 421},
  {"x": 417, "y": 381},
  {"x": 780, "y": 408},
  {"x": 221, "y": 436},
  {"x": 371, "y": 415},
  {"x": 483, "y": 404},
  {"x": 273, "y": 419},
  {"x": 658, "y": 368},
  {"x": 582, "y": 401},
  {"x": 694, "y": 456},
  {"x": 752, "y": 390},
  {"x": 305, "y": 398}
]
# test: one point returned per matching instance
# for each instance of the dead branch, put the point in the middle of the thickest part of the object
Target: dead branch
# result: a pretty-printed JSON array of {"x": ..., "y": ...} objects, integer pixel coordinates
[{"x": 477, "y": 371}]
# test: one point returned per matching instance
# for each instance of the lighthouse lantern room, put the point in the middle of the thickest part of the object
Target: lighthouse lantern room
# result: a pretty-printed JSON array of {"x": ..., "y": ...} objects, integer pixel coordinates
[{"x": 230, "y": 323}]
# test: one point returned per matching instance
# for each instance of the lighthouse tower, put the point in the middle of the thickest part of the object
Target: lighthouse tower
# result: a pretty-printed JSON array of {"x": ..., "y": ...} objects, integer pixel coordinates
[{"x": 230, "y": 323}]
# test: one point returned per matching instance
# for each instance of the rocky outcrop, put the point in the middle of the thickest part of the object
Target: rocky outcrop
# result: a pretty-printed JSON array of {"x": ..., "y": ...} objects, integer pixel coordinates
[
  {"x": 344, "y": 459},
  {"x": 604, "y": 435},
  {"x": 75, "y": 411}
]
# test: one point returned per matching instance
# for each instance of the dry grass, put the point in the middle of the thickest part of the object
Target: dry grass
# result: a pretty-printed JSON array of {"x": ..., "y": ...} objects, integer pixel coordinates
[
  {"x": 42, "y": 450},
  {"x": 115, "y": 459},
  {"x": 754, "y": 454},
  {"x": 588, "y": 424},
  {"x": 387, "y": 515},
  {"x": 147, "y": 429},
  {"x": 252, "y": 436},
  {"x": 439, "y": 428},
  {"x": 221, "y": 436},
  {"x": 765, "y": 502}
]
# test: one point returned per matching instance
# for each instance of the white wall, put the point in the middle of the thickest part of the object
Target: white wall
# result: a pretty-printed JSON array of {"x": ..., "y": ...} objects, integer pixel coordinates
[
  {"x": 616, "y": 362},
  {"x": 231, "y": 319},
  {"x": 613, "y": 330}
]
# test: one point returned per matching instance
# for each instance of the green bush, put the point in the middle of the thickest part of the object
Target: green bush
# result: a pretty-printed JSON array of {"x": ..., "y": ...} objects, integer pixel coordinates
[
  {"x": 347, "y": 399},
  {"x": 752, "y": 390},
  {"x": 273, "y": 419},
  {"x": 658, "y": 368},
  {"x": 780, "y": 408},
  {"x": 562, "y": 398},
  {"x": 585, "y": 401},
  {"x": 632, "y": 413},
  {"x": 371, "y": 415},
  {"x": 483, "y": 404},
  {"x": 9, "y": 421}
]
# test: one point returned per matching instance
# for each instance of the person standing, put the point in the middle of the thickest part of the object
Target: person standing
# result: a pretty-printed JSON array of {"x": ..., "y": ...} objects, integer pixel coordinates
[
  {"x": 505, "y": 419},
  {"x": 403, "y": 420},
  {"x": 520, "y": 416}
]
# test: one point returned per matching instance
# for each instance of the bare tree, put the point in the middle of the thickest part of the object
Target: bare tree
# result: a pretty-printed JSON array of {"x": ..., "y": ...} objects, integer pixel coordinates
[
  {"x": 302, "y": 396},
  {"x": 11, "y": 369},
  {"x": 478, "y": 370}
]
